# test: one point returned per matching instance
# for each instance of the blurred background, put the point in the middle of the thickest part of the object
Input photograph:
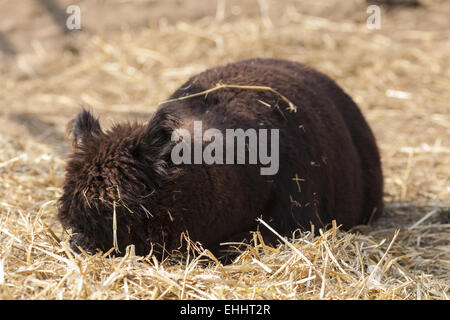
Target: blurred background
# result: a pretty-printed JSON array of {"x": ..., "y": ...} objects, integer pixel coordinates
[{"x": 129, "y": 55}]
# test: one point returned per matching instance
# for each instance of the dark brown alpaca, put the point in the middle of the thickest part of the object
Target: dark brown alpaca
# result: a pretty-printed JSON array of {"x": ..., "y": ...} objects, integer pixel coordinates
[{"x": 329, "y": 165}]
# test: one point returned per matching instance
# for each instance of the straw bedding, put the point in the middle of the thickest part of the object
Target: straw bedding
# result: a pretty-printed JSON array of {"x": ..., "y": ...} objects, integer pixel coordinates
[{"x": 399, "y": 75}]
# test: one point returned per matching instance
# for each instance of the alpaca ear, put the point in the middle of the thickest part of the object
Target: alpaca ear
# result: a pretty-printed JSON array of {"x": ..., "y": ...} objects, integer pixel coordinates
[
  {"x": 158, "y": 136},
  {"x": 82, "y": 127},
  {"x": 159, "y": 129}
]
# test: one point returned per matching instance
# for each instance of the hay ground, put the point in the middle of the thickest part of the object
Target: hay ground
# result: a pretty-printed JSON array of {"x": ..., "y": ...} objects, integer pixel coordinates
[{"x": 131, "y": 55}]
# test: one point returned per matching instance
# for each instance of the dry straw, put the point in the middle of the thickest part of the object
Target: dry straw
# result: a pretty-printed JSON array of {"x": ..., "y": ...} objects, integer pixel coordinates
[
  {"x": 36, "y": 264},
  {"x": 292, "y": 107},
  {"x": 398, "y": 75}
]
